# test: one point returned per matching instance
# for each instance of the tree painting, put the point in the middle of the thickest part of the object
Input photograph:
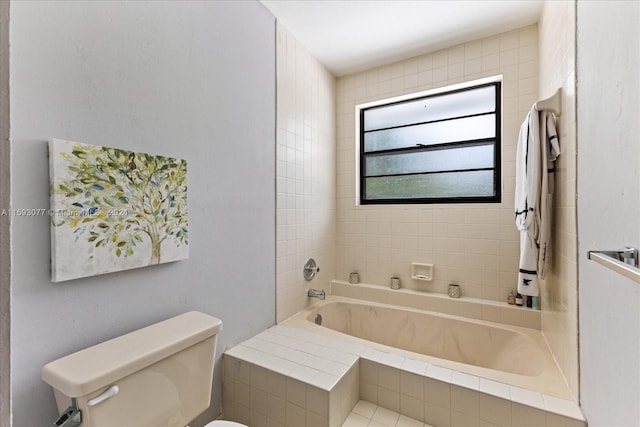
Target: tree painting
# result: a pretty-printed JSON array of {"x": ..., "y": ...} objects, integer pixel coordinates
[{"x": 116, "y": 209}]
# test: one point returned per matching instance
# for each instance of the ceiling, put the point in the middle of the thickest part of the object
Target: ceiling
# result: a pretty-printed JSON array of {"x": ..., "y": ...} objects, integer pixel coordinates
[{"x": 348, "y": 36}]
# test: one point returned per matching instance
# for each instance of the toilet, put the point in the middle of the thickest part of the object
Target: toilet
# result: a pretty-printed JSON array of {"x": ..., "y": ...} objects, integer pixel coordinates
[{"x": 160, "y": 375}]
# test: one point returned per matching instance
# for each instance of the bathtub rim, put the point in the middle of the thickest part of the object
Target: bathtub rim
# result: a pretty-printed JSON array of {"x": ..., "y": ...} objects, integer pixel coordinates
[
  {"x": 550, "y": 382},
  {"x": 468, "y": 307}
]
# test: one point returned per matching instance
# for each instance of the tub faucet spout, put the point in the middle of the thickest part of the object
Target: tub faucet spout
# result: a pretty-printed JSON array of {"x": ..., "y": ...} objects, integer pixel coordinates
[{"x": 314, "y": 293}]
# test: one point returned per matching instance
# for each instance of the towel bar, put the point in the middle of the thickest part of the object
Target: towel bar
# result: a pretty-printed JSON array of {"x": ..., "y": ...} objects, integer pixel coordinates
[{"x": 623, "y": 261}]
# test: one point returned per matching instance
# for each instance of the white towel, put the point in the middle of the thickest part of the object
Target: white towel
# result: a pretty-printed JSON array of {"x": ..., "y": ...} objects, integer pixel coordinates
[
  {"x": 550, "y": 152},
  {"x": 533, "y": 160}
]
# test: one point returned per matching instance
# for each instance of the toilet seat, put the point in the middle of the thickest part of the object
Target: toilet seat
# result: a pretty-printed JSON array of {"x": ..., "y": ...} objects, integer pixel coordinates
[{"x": 222, "y": 423}]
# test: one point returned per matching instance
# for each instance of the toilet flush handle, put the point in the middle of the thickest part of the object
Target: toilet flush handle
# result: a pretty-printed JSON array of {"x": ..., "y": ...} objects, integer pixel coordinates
[{"x": 107, "y": 394}]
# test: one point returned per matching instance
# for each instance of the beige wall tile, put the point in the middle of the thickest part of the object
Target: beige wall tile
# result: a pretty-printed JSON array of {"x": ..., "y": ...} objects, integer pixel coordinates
[
  {"x": 465, "y": 400},
  {"x": 259, "y": 401},
  {"x": 258, "y": 419},
  {"x": 317, "y": 401},
  {"x": 369, "y": 392},
  {"x": 277, "y": 409},
  {"x": 389, "y": 378},
  {"x": 459, "y": 419},
  {"x": 412, "y": 385},
  {"x": 389, "y": 399},
  {"x": 381, "y": 241},
  {"x": 241, "y": 413},
  {"x": 305, "y": 170},
  {"x": 437, "y": 415},
  {"x": 315, "y": 420},
  {"x": 276, "y": 384},
  {"x": 295, "y": 415},
  {"x": 554, "y": 420},
  {"x": 465, "y": 261},
  {"x": 495, "y": 410},
  {"x": 296, "y": 392},
  {"x": 243, "y": 394},
  {"x": 526, "y": 416},
  {"x": 559, "y": 304},
  {"x": 437, "y": 392},
  {"x": 412, "y": 407}
]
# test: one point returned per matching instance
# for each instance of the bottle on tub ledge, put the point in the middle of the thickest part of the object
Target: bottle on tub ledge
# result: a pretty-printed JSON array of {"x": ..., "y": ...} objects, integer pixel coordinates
[
  {"x": 519, "y": 299},
  {"x": 523, "y": 300}
]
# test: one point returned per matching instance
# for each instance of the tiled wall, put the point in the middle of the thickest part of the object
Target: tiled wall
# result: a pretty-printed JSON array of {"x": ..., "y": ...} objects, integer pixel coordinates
[
  {"x": 278, "y": 379},
  {"x": 444, "y": 398},
  {"x": 257, "y": 396},
  {"x": 473, "y": 245},
  {"x": 305, "y": 183},
  {"x": 295, "y": 375},
  {"x": 560, "y": 289},
  {"x": 491, "y": 311}
]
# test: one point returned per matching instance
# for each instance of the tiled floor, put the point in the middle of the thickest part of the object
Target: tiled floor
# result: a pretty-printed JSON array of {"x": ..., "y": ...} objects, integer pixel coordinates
[{"x": 366, "y": 414}]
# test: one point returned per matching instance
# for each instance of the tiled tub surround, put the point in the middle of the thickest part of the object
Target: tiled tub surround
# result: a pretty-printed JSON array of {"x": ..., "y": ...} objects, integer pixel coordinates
[
  {"x": 472, "y": 308},
  {"x": 509, "y": 354},
  {"x": 305, "y": 172},
  {"x": 299, "y": 358},
  {"x": 285, "y": 377},
  {"x": 475, "y": 245}
]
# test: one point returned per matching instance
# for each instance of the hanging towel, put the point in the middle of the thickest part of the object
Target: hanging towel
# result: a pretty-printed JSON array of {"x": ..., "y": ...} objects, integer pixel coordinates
[
  {"x": 550, "y": 152},
  {"x": 537, "y": 150}
]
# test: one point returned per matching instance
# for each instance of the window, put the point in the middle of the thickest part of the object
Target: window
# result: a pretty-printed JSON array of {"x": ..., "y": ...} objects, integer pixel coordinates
[{"x": 434, "y": 148}]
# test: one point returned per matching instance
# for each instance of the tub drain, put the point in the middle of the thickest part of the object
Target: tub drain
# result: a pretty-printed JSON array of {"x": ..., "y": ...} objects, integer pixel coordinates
[{"x": 318, "y": 319}]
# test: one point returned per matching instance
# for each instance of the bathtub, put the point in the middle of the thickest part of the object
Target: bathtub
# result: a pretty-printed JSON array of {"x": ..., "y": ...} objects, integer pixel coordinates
[{"x": 512, "y": 355}]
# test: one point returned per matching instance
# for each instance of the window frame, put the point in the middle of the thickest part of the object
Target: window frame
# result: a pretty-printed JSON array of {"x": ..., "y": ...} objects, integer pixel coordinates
[{"x": 452, "y": 89}]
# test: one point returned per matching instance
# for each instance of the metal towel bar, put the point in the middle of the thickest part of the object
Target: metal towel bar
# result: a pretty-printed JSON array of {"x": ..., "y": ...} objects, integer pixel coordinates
[{"x": 623, "y": 261}]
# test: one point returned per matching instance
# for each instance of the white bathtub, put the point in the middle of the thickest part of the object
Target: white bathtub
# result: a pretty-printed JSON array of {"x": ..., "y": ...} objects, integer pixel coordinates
[{"x": 508, "y": 354}]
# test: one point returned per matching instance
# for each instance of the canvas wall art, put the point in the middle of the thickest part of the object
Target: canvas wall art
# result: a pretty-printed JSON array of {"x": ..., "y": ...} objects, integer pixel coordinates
[{"x": 113, "y": 209}]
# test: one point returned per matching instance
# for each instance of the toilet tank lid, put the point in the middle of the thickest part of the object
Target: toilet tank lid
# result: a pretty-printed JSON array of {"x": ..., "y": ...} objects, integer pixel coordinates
[{"x": 96, "y": 367}]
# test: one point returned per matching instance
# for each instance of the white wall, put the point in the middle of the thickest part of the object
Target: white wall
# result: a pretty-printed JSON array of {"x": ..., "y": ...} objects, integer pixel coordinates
[
  {"x": 306, "y": 165},
  {"x": 475, "y": 245},
  {"x": 185, "y": 79},
  {"x": 5, "y": 245},
  {"x": 608, "y": 57},
  {"x": 560, "y": 288}
]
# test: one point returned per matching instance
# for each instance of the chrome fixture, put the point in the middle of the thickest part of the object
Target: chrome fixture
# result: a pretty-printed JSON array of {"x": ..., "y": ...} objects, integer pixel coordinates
[
  {"x": 623, "y": 261},
  {"x": 71, "y": 417},
  {"x": 314, "y": 293},
  {"x": 310, "y": 269},
  {"x": 454, "y": 290}
]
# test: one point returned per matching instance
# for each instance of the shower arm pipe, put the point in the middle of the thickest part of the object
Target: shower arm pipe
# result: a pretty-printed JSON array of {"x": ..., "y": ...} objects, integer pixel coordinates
[{"x": 553, "y": 103}]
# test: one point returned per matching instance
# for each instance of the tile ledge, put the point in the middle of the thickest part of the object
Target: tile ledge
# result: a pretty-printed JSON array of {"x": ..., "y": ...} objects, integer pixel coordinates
[
  {"x": 434, "y": 296},
  {"x": 552, "y": 404}
]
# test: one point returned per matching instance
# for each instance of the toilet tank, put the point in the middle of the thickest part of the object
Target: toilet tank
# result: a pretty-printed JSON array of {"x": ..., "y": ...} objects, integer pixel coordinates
[{"x": 160, "y": 375}]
